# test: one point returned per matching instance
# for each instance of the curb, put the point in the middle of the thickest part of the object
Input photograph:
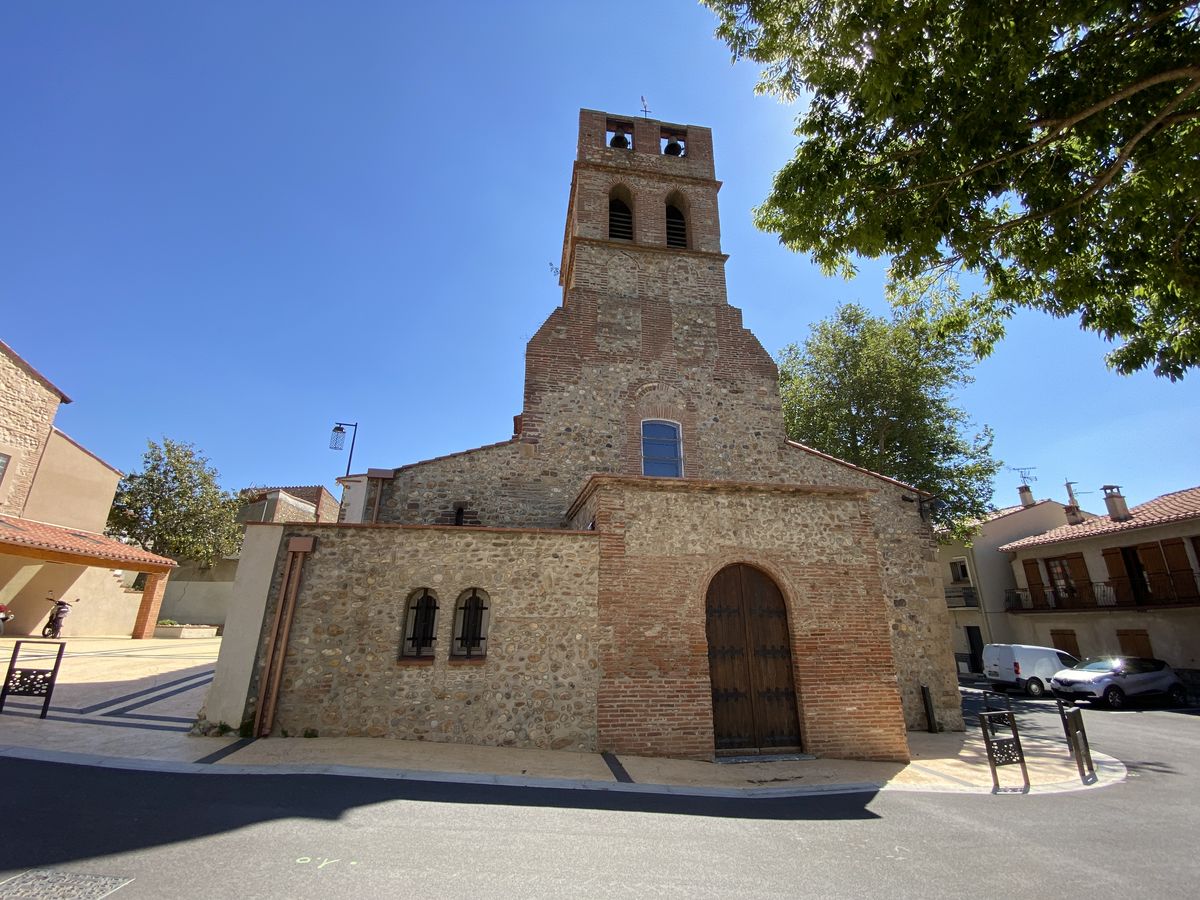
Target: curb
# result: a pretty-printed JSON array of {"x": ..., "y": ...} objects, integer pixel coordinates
[{"x": 1108, "y": 770}]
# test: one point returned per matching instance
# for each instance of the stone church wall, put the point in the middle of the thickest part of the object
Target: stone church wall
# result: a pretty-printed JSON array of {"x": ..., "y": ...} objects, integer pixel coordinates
[
  {"x": 343, "y": 674},
  {"x": 661, "y": 543}
]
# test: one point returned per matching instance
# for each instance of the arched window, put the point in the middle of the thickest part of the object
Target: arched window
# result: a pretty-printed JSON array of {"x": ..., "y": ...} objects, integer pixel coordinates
[
  {"x": 471, "y": 622},
  {"x": 662, "y": 449},
  {"x": 420, "y": 625},
  {"x": 620, "y": 214},
  {"x": 676, "y": 227}
]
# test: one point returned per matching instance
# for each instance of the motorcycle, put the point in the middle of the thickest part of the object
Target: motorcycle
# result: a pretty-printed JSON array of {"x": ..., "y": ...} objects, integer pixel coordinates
[
  {"x": 6, "y": 615},
  {"x": 53, "y": 626}
]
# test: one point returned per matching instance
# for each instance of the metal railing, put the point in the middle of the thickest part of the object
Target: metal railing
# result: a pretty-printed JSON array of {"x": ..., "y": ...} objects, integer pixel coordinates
[
  {"x": 959, "y": 596},
  {"x": 1165, "y": 589}
]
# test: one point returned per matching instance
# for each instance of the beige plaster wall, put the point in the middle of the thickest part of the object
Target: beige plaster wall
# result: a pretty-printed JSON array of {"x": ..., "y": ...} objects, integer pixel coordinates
[
  {"x": 104, "y": 607},
  {"x": 1174, "y": 633},
  {"x": 226, "y": 700},
  {"x": 196, "y": 595},
  {"x": 72, "y": 488}
]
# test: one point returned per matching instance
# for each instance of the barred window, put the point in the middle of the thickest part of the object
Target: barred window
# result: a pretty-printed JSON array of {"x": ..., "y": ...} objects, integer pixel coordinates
[
  {"x": 420, "y": 625},
  {"x": 471, "y": 621}
]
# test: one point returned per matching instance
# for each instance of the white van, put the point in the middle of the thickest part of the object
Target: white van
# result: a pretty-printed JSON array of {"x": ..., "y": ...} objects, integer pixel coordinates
[{"x": 1023, "y": 666}]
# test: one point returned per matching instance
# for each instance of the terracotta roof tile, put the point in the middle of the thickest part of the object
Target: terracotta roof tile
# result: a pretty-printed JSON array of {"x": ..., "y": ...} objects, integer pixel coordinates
[
  {"x": 15, "y": 532},
  {"x": 1176, "y": 507}
]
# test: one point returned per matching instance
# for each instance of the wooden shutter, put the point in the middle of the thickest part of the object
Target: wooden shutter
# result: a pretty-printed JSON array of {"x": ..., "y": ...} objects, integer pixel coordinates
[
  {"x": 1033, "y": 577},
  {"x": 1157, "y": 577},
  {"x": 1134, "y": 643},
  {"x": 1066, "y": 641},
  {"x": 1183, "y": 580},
  {"x": 1118, "y": 576},
  {"x": 1080, "y": 580}
]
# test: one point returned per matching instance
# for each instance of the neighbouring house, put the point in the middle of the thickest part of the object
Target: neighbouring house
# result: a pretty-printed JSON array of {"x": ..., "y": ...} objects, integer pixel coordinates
[
  {"x": 647, "y": 565},
  {"x": 978, "y": 577},
  {"x": 54, "y": 501},
  {"x": 1127, "y": 582},
  {"x": 199, "y": 594}
]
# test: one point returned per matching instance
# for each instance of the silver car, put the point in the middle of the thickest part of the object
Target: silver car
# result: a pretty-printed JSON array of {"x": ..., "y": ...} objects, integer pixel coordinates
[{"x": 1114, "y": 679}]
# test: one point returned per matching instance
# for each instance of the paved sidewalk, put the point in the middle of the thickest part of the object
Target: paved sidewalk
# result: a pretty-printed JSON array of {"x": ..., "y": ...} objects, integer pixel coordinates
[{"x": 130, "y": 704}]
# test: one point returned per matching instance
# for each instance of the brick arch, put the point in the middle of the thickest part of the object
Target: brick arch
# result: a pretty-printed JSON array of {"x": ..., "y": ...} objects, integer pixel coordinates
[
  {"x": 655, "y": 400},
  {"x": 720, "y": 561}
]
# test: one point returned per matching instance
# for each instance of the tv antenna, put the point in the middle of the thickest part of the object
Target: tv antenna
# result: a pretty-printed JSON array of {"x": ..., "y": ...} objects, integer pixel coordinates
[
  {"x": 1025, "y": 472},
  {"x": 645, "y": 109},
  {"x": 1071, "y": 493}
]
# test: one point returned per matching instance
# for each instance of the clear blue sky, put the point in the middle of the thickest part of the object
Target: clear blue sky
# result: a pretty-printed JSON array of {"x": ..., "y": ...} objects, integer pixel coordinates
[{"x": 234, "y": 223}]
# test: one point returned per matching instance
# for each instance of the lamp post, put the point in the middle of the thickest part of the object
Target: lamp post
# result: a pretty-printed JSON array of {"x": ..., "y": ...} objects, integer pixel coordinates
[{"x": 337, "y": 440}]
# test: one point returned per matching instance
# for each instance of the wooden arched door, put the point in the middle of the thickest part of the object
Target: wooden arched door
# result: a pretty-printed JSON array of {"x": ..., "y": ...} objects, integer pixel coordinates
[{"x": 750, "y": 663}]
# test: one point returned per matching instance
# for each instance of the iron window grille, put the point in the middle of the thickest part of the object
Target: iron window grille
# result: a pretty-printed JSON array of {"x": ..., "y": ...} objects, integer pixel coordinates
[
  {"x": 421, "y": 633},
  {"x": 471, "y": 625}
]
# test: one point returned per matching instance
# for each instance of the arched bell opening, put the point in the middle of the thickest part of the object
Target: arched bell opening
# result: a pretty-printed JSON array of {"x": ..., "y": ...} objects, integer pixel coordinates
[{"x": 620, "y": 214}]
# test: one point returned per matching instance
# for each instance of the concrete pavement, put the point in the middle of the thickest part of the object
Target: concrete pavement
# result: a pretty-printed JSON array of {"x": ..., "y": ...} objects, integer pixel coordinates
[{"x": 129, "y": 704}]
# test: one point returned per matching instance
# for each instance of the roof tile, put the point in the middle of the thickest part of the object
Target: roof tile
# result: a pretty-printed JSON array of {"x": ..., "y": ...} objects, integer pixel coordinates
[
  {"x": 1175, "y": 507},
  {"x": 43, "y": 536}
]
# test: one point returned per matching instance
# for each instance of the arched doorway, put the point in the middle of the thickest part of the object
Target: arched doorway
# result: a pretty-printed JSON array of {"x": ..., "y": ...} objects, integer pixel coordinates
[{"x": 750, "y": 663}]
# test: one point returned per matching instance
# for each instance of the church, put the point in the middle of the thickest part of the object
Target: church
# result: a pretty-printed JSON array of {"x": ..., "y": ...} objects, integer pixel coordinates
[{"x": 647, "y": 566}]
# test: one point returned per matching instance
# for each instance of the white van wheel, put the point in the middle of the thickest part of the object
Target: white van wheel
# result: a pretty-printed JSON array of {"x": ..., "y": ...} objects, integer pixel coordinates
[{"x": 1035, "y": 688}]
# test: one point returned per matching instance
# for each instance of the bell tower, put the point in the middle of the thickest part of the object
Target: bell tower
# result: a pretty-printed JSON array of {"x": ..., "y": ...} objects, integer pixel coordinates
[{"x": 645, "y": 333}]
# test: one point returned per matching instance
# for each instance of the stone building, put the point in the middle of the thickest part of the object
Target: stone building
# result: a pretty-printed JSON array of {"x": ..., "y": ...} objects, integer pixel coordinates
[
  {"x": 200, "y": 594},
  {"x": 54, "y": 500},
  {"x": 646, "y": 566}
]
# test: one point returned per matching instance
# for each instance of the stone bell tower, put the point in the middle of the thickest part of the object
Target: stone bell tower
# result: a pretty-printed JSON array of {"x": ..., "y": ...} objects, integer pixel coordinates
[{"x": 645, "y": 331}]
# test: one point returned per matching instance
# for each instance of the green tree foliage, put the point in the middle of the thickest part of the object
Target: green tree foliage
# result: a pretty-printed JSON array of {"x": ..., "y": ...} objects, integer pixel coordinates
[
  {"x": 1052, "y": 147},
  {"x": 879, "y": 394},
  {"x": 174, "y": 506}
]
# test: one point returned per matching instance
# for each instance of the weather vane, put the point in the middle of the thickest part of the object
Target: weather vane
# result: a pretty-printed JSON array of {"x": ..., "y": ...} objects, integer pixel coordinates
[{"x": 645, "y": 109}]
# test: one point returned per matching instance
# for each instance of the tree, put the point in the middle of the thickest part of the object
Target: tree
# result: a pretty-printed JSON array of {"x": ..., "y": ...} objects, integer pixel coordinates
[
  {"x": 1052, "y": 147},
  {"x": 174, "y": 506},
  {"x": 878, "y": 393}
]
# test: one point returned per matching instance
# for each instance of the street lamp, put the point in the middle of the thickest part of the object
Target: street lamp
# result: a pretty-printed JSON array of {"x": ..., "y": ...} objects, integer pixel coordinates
[{"x": 337, "y": 440}]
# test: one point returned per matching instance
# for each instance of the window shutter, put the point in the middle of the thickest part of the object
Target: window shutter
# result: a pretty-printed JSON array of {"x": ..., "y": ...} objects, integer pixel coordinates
[
  {"x": 1033, "y": 577},
  {"x": 1180, "y": 569}
]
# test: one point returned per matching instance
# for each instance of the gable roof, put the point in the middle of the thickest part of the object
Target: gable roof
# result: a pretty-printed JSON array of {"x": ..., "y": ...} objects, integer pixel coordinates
[
  {"x": 27, "y": 537},
  {"x": 849, "y": 465},
  {"x": 32, "y": 372},
  {"x": 1179, "y": 506}
]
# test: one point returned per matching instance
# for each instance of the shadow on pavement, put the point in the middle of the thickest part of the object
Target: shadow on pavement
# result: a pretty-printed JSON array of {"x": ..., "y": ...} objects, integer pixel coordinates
[{"x": 71, "y": 812}]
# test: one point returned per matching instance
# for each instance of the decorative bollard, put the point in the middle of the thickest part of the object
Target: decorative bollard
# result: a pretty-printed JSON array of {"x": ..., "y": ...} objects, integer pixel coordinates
[
  {"x": 1078, "y": 742},
  {"x": 31, "y": 682},
  {"x": 1003, "y": 751}
]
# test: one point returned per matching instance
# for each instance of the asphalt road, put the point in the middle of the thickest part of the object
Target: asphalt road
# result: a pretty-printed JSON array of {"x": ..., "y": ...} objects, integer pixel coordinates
[{"x": 317, "y": 836}]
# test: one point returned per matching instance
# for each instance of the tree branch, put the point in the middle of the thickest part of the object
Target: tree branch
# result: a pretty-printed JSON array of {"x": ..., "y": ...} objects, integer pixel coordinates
[
  {"x": 1108, "y": 174},
  {"x": 1058, "y": 127}
]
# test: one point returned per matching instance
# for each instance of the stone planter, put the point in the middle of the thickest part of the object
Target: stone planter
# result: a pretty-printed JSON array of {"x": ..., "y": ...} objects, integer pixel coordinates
[{"x": 185, "y": 631}]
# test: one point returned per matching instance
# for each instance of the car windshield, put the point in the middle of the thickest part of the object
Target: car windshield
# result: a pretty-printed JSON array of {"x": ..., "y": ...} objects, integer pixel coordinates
[{"x": 1100, "y": 664}]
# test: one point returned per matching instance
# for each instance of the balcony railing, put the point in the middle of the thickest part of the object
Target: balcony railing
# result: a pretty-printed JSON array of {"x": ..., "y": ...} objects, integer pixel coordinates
[
  {"x": 1174, "y": 589},
  {"x": 961, "y": 595}
]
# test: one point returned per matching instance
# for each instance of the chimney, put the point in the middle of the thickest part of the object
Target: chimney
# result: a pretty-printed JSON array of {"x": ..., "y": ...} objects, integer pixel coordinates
[
  {"x": 1026, "y": 494},
  {"x": 1118, "y": 511},
  {"x": 1074, "y": 516}
]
